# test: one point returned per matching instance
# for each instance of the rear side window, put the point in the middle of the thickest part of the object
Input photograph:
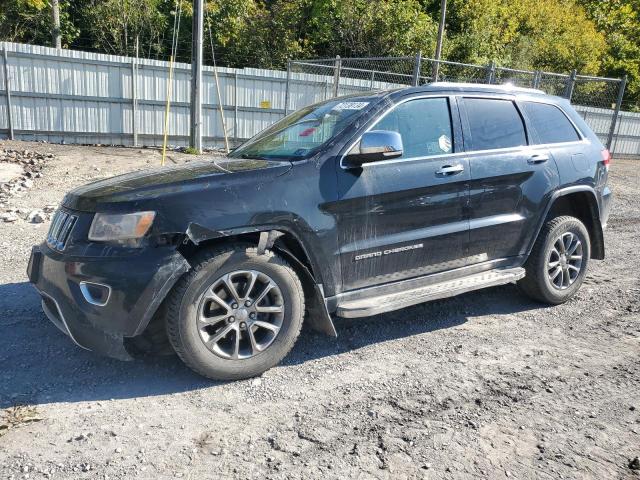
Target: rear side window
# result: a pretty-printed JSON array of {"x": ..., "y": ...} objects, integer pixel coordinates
[
  {"x": 493, "y": 124},
  {"x": 550, "y": 123}
]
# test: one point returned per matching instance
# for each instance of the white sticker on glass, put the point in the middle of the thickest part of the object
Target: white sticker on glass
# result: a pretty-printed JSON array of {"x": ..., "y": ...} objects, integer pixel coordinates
[
  {"x": 350, "y": 106},
  {"x": 444, "y": 143}
]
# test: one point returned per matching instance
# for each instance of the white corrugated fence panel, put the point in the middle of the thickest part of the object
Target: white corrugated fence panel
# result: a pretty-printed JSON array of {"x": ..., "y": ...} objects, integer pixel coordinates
[{"x": 83, "y": 97}]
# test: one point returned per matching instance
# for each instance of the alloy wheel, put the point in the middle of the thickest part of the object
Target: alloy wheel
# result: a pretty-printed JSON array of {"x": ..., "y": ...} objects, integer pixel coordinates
[
  {"x": 240, "y": 314},
  {"x": 564, "y": 261}
]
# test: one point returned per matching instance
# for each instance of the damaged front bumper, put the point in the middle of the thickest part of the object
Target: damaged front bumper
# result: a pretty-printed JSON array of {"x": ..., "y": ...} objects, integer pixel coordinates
[{"x": 130, "y": 288}]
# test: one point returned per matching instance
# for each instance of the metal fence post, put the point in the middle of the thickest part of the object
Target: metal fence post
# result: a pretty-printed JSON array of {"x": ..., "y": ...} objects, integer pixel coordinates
[
  {"x": 491, "y": 72},
  {"x": 537, "y": 78},
  {"x": 616, "y": 112},
  {"x": 416, "y": 69},
  {"x": 336, "y": 75},
  {"x": 373, "y": 75},
  {"x": 435, "y": 70},
  {"x": 7, "y": 91},
  {"x": 288, "y": 86},
  {"x": 235, "y": 105},
  {"x": 134, "y": 100},
  {"x": 571, "y": 82}
]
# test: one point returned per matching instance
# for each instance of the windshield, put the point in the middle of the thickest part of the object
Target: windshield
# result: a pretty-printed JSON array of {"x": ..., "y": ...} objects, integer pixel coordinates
[{"x": 302, "y": 133}]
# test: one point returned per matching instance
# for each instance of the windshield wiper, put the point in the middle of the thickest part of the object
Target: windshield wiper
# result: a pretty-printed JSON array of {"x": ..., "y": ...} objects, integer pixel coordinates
[
  {"x": 308, "y": 120},
  {"x": 258, "y": 157}
]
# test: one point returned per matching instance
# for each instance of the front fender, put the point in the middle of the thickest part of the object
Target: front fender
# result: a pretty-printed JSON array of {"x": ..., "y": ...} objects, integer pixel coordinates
[{"x": 319, "y": 318}]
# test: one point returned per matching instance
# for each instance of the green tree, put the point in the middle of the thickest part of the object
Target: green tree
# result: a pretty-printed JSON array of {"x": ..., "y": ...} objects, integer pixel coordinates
[
  {"x": 265, "y": 34},
  {"x": 543, "y": 34},
  {"x": 370, "y": 28},
  {"x": 113, "y": 26},
  {"x": 253, "y": 33},
  {"x": 619, "y": 21},
  {"x": 29, "y": 21}
]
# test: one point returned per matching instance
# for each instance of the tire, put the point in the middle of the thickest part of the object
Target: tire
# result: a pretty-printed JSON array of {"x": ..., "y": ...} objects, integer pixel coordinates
[
  {"x": 248, "y": 348},
  {"x": 541, "y": 265},
  {"x": 153, "y": 341}
]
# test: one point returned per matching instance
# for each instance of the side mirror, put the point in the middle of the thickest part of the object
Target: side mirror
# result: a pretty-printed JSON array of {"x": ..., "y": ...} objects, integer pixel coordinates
[{"x": 374, "y": 146}]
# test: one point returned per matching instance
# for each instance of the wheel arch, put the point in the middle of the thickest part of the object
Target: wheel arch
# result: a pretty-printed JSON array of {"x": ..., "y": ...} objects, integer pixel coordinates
[
  {"x": 281, "y": 240},
  {"x": 198, "y": 237},
  {"x": 580, "y": 202}
]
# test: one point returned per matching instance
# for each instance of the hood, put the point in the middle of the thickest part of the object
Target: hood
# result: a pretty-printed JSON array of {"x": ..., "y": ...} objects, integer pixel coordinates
[{"x": 166, "y": 181}]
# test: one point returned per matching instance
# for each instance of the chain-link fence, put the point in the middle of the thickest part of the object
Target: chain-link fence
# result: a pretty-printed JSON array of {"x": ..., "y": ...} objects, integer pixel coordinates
[
  {"x": 336, "y": 77},
  {"x": 597, "y": 99},
  {"x": 553, "y": 83},
  {"x": 451, "y": 72}
]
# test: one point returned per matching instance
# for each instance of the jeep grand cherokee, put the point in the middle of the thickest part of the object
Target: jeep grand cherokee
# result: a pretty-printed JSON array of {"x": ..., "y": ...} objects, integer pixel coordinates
[{"x": 354, "y": 206}]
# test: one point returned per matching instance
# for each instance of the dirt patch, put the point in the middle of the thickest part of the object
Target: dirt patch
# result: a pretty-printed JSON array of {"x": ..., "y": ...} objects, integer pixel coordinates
[
  {"x": 485, "y": 385},
  {"x": 9, "y": 172}
]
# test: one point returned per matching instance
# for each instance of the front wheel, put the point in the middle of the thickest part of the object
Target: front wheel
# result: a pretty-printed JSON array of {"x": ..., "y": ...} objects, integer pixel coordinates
[
  {"x": 558, "y": 262},
  {"x": 236, "y": 313}
]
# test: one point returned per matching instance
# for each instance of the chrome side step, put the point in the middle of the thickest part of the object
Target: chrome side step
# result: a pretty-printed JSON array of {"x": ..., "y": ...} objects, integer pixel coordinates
[{"x": 394, "y": 301}]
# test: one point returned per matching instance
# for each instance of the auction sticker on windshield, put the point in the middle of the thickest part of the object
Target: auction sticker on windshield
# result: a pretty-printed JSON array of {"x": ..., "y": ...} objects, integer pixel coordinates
[{"x": 350, "y": 106}]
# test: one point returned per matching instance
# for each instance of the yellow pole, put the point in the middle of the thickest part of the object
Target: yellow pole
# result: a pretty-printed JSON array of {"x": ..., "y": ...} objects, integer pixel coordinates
[
  {"x": 166, "y": 112},
  {"x": 224, "y": 128}
]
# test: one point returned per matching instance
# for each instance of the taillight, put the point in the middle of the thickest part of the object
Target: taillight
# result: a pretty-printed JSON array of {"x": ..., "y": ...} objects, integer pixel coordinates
[{"x": 606, "y": 158}]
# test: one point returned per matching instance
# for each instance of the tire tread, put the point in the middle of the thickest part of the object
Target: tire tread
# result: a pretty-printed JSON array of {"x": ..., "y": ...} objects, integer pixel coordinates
[
  {"x": 531, "y": 285},
  {"x": 174, "y": 302}
]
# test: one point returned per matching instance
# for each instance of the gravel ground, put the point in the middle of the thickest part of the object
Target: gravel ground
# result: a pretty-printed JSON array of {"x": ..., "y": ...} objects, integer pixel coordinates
[{"x": 485, "y": 385}]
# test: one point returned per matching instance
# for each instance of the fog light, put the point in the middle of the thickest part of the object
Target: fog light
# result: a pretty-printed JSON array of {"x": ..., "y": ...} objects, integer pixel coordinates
[{"x": 95, "y": 293}]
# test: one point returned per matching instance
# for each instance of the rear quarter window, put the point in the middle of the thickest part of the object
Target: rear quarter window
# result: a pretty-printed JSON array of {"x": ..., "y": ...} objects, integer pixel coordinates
[
  {"x": 493, "y": 123},
  {"x": 549, "y": 123}
]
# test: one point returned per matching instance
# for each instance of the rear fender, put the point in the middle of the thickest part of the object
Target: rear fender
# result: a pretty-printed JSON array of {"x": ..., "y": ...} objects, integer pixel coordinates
[{"x": 595, "y": 227}]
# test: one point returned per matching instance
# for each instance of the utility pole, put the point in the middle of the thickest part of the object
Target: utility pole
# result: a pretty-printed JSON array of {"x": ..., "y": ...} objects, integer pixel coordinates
[
  {"x": 55, "y": 17},
  {"x": 436, "y": 64},
  {"x": 195, "y": 137}
]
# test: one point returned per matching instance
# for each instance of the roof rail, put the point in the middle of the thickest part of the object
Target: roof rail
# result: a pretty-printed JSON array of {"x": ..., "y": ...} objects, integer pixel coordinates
[{"x": 504, "y": 87}]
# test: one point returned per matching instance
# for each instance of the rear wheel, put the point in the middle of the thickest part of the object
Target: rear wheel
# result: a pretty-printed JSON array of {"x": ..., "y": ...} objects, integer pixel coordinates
[
  {"x": 236, "y": 313},
  {"x": 558, "y": 262}
]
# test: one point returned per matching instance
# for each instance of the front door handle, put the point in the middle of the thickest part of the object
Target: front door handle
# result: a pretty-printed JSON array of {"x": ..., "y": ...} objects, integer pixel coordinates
[
  {"x": 450, "y": 170},
  {"x": 538, "y": 158}
]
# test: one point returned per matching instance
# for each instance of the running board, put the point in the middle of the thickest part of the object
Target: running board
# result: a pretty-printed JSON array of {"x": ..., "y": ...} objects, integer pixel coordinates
[{"x": 366, "y": 307}]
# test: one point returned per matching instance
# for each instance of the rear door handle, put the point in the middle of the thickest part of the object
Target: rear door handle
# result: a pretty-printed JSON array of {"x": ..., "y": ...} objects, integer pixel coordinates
[
  {"x": 538, "y": 158},
  {"x": 450, "y": 170}
]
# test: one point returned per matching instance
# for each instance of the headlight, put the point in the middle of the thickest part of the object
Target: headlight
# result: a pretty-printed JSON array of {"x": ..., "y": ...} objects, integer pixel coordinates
[{"x": 113, "y": 227}]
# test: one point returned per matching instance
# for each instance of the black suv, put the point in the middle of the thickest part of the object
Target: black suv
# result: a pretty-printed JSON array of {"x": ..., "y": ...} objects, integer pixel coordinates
[{"x": 354, "y": 206}]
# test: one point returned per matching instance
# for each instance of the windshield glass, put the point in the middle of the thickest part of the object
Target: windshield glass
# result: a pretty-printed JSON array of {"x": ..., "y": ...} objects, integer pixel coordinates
[{"x": 302, "y": 133}]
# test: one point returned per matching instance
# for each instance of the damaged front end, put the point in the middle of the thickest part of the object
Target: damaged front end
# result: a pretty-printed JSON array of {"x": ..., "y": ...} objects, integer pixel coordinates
[
  {"x": 117, "y": 247},
  {"x": 101, "y": 294}
]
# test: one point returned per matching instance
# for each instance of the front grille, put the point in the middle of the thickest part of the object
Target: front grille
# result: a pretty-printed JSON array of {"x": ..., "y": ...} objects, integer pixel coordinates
[{"x": 60, "y": 229}]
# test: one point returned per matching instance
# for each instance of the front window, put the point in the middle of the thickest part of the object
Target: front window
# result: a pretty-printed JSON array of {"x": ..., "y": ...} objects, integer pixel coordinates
[
  {"x": 302, "y": 133},
  {"x": 424, "y": 124}
]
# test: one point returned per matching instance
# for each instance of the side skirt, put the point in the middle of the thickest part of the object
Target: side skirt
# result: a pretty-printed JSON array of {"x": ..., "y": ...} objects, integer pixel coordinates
[{"x": 380, "y": 301}]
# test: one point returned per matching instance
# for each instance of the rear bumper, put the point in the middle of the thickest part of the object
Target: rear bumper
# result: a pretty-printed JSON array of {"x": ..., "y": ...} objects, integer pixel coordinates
[{"x": 138, "y": 284}]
